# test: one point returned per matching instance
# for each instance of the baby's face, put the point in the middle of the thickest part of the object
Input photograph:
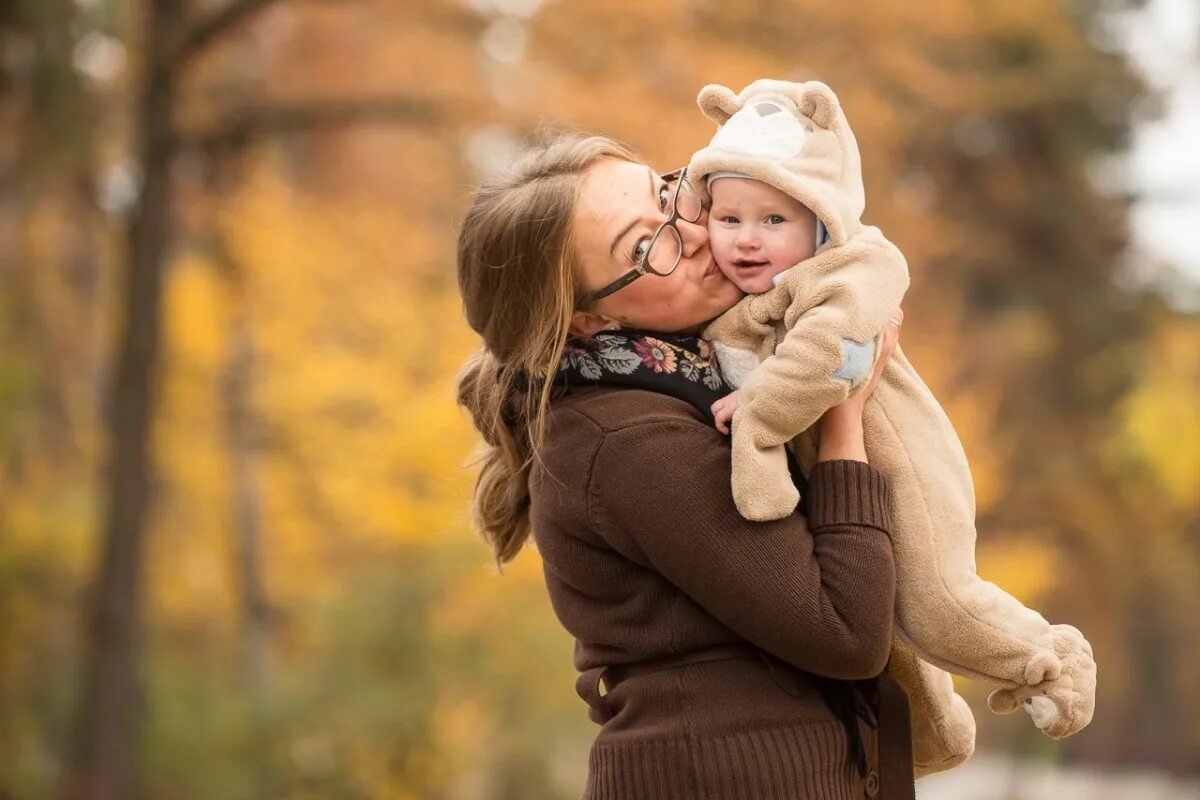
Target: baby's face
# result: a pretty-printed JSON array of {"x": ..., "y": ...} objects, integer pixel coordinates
[{"x": 756, "y": 231}]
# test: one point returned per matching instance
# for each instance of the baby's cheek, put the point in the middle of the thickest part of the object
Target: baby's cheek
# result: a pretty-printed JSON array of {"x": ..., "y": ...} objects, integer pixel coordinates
[
  {"x": 799, "y": 249},
  {"x": 718, "y": 243}
]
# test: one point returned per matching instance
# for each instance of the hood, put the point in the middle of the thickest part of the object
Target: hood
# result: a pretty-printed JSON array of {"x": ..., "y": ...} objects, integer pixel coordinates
[{"x": 792, "y": 136}]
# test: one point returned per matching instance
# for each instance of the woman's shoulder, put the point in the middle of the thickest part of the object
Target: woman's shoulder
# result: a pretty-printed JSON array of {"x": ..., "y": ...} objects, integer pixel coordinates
[
  {"x": 600, "y": 440},
  {"x": 608, "y": 409},
  {"x": 611, "y": 430}
]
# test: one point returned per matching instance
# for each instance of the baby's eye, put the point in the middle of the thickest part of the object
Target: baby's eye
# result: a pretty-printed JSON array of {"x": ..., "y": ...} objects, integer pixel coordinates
[
  {"x": 664, "y": 197},
  {"x": 640, "y": 249},
  {"x": 730, "y": 220},
  {"x": 775, "y": 219}
]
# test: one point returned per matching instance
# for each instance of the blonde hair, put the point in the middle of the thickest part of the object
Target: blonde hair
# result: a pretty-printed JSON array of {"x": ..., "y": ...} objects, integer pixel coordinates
[{"x": 518, "y": 274}]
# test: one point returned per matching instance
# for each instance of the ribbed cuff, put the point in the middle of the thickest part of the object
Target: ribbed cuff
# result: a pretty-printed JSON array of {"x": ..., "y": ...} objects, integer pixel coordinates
[
  {"x": 802, "y": 761},
  {"x": 848, "y": 492}
]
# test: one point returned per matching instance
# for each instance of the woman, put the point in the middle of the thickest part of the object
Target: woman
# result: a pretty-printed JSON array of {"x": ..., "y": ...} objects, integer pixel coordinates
[{"x": 739, "y": 659}]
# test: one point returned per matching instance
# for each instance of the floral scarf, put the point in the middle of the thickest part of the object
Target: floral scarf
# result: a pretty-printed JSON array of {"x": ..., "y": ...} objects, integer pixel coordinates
[{"x": 681, "y": 366}]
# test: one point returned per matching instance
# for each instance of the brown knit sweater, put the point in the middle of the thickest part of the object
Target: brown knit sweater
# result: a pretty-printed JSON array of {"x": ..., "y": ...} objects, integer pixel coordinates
[{"x": 646, "y": 558}]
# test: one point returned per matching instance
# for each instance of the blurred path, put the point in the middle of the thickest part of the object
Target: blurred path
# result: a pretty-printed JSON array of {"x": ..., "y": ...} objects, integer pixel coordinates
[{"x": 990, "y": 777}]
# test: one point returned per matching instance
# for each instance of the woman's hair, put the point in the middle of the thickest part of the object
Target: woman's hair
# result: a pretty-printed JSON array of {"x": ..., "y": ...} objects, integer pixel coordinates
[{"x": 518, "y": 274}]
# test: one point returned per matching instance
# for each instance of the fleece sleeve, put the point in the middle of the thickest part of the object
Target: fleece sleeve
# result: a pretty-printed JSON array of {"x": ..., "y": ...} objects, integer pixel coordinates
[{"x": 834, "y": 309}]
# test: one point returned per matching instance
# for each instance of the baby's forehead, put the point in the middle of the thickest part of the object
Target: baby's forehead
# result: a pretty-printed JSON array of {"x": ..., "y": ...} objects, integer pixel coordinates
[{"x": 749, "y": 190}]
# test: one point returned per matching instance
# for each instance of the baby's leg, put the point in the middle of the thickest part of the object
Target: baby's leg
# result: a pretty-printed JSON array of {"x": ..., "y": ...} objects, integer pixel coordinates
[{"x": 954, "y": 618}]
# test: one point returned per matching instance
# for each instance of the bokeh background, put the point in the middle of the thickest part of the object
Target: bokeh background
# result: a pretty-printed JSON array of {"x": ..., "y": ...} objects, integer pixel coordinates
[{"x": 235, "y": 551}]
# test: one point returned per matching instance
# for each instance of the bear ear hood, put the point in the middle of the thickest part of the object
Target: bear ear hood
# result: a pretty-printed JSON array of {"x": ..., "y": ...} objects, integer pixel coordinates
[
  {"x": 792, "y": 136},
  {"x": 812, "y": 99},
  {"x": 820, "y": 104},
  {"x": 718, "y": 103}
]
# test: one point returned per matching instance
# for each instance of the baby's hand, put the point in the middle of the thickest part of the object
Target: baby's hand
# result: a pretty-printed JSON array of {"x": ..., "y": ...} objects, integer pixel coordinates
[{"x": 723, "y": 410}]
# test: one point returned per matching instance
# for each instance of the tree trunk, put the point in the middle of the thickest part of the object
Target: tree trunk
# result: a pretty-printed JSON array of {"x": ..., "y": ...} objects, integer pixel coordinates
[
  {"x": 247, "y": 516},
  {"x": 106, "y": 741},
  {"x": 256, "y": 615}
]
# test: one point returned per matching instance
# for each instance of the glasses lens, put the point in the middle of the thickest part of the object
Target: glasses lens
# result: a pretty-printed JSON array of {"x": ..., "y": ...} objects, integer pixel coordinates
[
  {"x": 665, "y": 250},
  {"x": 688, "y": 202}
]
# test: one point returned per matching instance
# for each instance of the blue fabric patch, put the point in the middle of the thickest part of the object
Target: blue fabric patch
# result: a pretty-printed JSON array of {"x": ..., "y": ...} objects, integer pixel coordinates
[{"x": 859, "y": 358}]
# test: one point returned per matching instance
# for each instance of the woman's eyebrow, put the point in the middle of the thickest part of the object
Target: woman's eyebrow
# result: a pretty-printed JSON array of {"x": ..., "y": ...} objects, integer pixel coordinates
[{"x": 621, "y": 234}]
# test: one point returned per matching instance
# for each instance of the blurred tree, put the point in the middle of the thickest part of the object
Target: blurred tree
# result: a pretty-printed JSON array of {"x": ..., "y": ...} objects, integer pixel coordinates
[
  {"x": 51, "y": 290},
  {"x": 107, "y": 733}
]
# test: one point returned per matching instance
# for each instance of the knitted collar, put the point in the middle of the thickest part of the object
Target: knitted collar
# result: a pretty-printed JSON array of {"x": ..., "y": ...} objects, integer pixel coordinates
[{"x": 681, "y": 366}]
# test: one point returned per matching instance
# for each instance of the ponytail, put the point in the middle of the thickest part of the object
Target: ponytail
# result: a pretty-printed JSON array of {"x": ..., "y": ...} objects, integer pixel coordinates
[
  {"x": 500, "y": 503},
  {"x": 517, "y": 275}
]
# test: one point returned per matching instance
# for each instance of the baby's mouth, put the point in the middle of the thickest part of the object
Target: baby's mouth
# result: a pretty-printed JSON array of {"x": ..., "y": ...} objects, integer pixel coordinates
[{"x": 745, "y": 263}]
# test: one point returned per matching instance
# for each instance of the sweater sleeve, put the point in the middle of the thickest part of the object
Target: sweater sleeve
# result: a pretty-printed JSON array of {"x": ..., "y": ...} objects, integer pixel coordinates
[{"x": 817, "y": 592}]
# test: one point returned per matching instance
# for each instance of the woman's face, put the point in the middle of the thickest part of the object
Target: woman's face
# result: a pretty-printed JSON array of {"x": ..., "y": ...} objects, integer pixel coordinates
[{"x": 618, "y": 211}]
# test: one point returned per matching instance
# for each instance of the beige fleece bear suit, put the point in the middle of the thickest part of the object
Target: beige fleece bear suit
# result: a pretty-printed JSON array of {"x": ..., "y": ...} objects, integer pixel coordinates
[{"x": 817, "y": 334}]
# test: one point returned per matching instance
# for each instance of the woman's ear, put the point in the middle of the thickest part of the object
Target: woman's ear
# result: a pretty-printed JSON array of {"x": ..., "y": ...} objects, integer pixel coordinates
[
  {"x": 589, "y": 323},
  {"x": 718, "y": 102}
]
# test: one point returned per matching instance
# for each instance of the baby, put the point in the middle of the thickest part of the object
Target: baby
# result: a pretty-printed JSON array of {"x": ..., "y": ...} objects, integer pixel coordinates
[
  {"x": 756, "y": 234},
  {"x": 785, "y": 182}
]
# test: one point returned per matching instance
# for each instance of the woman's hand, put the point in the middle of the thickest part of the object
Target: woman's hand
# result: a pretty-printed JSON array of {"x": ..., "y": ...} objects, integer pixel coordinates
[{"x": 841, "y": 431}]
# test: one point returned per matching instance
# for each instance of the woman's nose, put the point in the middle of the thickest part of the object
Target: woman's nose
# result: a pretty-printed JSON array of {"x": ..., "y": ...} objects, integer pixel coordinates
[{"x": 693, "y": 234}]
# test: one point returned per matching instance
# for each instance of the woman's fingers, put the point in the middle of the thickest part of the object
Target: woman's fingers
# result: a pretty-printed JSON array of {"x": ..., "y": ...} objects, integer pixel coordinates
[{"x": 891, "y": 336}]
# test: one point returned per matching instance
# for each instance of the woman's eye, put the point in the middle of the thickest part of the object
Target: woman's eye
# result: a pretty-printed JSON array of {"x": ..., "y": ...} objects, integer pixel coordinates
[
  {"x": 774, "y": 219},
  {"x": 664, "y": 197},
  {"x": 639, "y": 249}
]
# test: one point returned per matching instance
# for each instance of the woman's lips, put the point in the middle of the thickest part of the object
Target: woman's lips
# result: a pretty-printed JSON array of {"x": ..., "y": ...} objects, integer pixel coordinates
[{"x": 713, "y": 269}]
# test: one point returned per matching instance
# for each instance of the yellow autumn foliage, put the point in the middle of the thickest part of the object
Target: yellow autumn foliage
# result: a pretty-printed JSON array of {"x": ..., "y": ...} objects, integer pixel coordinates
[{"x": 1159, "y": 421}]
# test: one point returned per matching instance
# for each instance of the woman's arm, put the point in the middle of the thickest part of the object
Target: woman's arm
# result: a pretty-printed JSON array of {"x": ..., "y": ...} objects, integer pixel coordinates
[
  {"x": 841, "y": 435},
  {"x": 817, "y": 592}
]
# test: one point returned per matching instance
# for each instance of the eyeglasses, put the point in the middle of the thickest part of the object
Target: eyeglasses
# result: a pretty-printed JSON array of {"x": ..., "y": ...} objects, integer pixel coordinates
[{"x": 665, "y": 248}]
